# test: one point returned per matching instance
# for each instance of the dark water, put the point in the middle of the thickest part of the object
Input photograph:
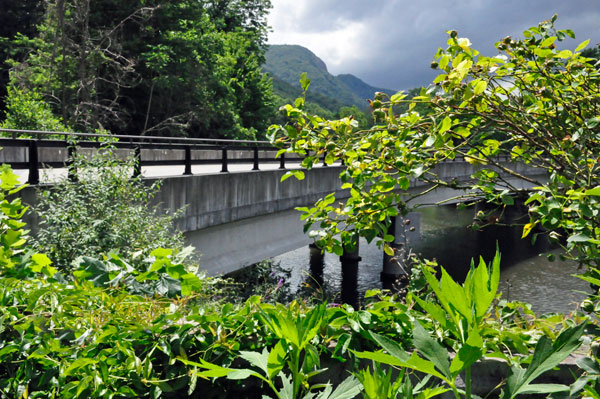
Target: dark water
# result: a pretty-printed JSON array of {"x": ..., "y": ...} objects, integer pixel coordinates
[{"x": 527, "y": 275}]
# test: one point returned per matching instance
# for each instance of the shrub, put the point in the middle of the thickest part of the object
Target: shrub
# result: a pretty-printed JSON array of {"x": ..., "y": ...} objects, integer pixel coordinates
[
  {"x": 105, "y": 210},
  {"x": 27, "y": 110}
]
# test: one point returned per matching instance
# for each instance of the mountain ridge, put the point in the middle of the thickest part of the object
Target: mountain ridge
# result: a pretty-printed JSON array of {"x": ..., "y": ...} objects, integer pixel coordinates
[{"x": 285, "y": 63}]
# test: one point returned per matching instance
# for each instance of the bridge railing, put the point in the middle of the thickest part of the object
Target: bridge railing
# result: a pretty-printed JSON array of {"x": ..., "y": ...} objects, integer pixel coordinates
[{"x": 171, "y": 150}]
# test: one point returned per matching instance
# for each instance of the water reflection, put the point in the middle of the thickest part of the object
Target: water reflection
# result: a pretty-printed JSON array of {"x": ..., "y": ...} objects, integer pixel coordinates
[{"x": 443, "y": 236}]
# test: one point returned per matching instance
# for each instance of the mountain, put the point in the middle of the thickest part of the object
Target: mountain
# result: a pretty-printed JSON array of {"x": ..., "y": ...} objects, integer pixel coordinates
[
  {"x": 361, "y": 88},
  {"x": 285, "y": 63}
]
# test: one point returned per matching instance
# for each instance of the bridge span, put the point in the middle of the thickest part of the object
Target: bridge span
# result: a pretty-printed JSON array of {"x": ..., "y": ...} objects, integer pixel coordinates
[{"x": 233, "y": 218}]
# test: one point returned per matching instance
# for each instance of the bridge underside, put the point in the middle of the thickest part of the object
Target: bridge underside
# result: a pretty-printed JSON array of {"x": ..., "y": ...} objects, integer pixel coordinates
[{"x": 228, "y": 247}]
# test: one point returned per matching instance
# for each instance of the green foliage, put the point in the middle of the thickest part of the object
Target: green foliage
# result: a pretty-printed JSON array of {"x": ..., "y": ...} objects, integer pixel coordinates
[
  {"x": 547, "y": 355},
  {"x": 19, "y": 19},
  {"x": 165, "y": 275},
  {"x": 266, "y": 279},
  {"x": 293, "y": 330},
  {"x": 104, "y": 211},
  {"x": 461, "y": 314},
  {"x": 463, "y": 308},
  {"x": 16, "y": 257},
  {"x": 151, "y": 67},
  {"x": 534, "y": 104},
  {"x": 27, "y": 110}
]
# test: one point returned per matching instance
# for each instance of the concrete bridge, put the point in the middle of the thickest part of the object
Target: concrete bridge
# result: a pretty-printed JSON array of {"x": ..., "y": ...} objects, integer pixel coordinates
[{"x": 237, "y": 218}]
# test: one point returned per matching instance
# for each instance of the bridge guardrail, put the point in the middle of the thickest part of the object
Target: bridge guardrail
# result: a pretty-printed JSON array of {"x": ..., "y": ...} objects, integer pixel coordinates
[
  {"x": 74, "y": 141},
  {"x": 220, "y": 149}
]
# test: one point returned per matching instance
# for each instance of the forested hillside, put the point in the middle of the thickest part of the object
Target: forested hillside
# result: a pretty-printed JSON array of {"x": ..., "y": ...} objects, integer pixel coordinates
[
  {"x": 152, "y": 67},
  {"x": 288, "y": 62}
]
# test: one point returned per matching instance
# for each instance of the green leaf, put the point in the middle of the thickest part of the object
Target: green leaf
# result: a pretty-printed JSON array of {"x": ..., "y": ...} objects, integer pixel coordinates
[
  {"x": 582, "y": 45},
  {"x": 431, "y": 350},
  {"x": 276, "y": 359},
  {"x": 479, "y": 86},
  {"x": 546, "y": 356},
  {"x": 257, "y": 359},
  {"x": 589, "y": 279},
  {"x": 445, "y": 125},
  {"x": 435, "y": 312},
  {"x": 388, "y": 250},
  {"x": 347, "y": 389},
  {"x": 578, "y": 238},
  {"x": 304, "y": 81},
  {"x": 507, "y": 200},
  {"x": 454, "y": 295},
  {"x": 468, "y": 354},
  {"x": 485, "y": 286},
  {"x": 391, "y": 347},
  {"x": 547, "y": 42},
  {"x": 79, "y": 363},
  {"x": 241, "y": 374},
  {"x": 380, "y": 358},
  {"x": 398, "y": 97},
  {"x": 298, "y": 174},
  {"x": 287, "y": 389},
  {"x": 463, "y": 67},
  {"x": 544, "y": 388},
  {"x": 593, "y": 191}
]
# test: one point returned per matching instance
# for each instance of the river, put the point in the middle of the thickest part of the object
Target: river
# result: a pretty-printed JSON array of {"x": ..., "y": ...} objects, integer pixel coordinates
[{"x": 526, "y": 273}]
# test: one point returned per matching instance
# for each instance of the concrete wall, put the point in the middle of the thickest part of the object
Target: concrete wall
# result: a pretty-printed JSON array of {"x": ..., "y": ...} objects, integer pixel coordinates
[{"x": 217, "y": 199}]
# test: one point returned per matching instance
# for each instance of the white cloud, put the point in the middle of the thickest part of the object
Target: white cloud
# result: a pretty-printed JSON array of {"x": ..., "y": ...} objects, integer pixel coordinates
[
  {"x": 389, "y": 43},
  {"x": 337, "y": 43}
]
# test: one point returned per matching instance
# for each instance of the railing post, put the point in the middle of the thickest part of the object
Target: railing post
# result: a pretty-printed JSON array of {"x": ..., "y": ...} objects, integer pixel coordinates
[
  {"x": 34, "y": 172},
  {"x": 71, "y": 171},
  {"x": 188, "y": 161},
  {"x": 137, "y": 167},
  {"x": 224, "y": 168},
  {"x": 282, "y": 161},
  {"x": 255, "y": 167}
]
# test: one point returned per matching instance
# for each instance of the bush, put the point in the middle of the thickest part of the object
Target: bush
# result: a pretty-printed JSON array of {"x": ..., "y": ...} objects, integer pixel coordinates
[
  {"x": 27, "y": 110},
  {"x": 105, "y": 211}
]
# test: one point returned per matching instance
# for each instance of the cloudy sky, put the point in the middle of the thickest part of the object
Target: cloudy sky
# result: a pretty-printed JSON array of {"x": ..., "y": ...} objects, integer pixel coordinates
[{"x": 390, "y": 43}]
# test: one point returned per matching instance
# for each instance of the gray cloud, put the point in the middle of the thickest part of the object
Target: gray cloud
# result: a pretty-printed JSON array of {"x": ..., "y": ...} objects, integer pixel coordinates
[{"x": 389, "y": 43}]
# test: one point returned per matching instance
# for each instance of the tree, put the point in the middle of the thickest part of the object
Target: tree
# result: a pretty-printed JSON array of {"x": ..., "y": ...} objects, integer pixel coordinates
[
  {"x": 201, "y": 69},
  {"x": 532, "y": 103},
  {"x": 19, "y": 20},
  {"x": 152, "y": 67}
]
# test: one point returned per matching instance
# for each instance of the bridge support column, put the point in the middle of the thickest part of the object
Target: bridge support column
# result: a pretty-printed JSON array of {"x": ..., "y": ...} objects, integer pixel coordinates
[
  {"x": 350, "y": 260},
  {"x": 396, "y": 269},
  {"x": 34, "y": 172},
  {"x": 317, "y": 262},
  {"x": 392, "y": 269}
]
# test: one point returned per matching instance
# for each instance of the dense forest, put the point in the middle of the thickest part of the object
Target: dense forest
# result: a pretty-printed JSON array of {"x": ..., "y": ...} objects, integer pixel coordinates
[
  {"x": 160, "y": 67},
  {"x": 149, "y": 67}
]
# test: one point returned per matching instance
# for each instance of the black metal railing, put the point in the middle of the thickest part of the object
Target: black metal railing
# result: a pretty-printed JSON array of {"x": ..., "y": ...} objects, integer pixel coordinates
[
  {"x": 262, "y": 152},
  {"x": 259, "y": 152}
]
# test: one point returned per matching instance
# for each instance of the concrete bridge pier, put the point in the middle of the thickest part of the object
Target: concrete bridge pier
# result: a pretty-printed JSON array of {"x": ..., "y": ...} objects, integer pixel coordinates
[
  {"x": 349, "y": 261},
  {"x": 317, "y": 262},
  {"x": 395, "y": 270}
]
